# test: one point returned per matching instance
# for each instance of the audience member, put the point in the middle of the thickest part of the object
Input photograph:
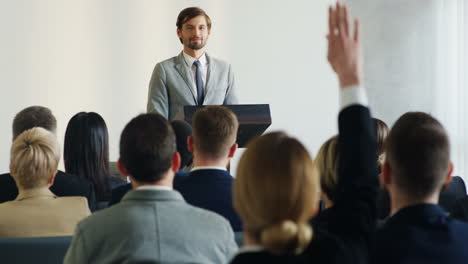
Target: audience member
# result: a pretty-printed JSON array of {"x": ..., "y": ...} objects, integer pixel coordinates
[
  {"x": 182, "y": 131},
  {"x": 326, "y": 163},
  {"x": 37, "y": 212},
  {"x": 416, "y": 167},
  {"x": 86, "y": 154},
  {"x": 65, "y": 184},
  {"x": 460, "y": 209},
  {"x": 209, "y": 184},
  {"x": 451, "y": 192},
  {"x": 276, "y": 190},
  {"x": 381, "y": 132},
  {"x": 152, "y": 223}
]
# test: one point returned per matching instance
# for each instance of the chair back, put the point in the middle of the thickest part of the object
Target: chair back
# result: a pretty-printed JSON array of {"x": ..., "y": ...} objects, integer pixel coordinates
[{"x": 49, "y": 250}]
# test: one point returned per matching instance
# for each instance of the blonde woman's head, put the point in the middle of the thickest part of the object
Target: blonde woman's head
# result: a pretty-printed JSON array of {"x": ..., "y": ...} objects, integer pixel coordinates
[
  {"x": 326, "y": 163},
  {"x": 34, "y": 158},
  {"x": 276, "y": 192}
]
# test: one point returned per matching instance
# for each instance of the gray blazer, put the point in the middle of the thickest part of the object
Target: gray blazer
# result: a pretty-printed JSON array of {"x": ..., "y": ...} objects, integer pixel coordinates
[
  {"x": 171, "y": 87},
  {"x": 152, "y": 226}
]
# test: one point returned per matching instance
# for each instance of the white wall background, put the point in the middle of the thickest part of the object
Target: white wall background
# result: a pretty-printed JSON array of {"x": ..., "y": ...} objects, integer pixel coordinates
[
  {"x": 416, "y": 59},
  {"x": 98, "y": 56}
]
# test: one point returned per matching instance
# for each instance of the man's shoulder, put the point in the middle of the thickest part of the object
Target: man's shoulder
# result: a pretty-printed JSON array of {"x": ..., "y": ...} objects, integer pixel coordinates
[
  {"x": 206, "y": 218},
  {"x": 6, "y": 177},
  {"x": 395, "y": 228},
  {"x": 99, "y": 220},
  {"x": 218, "y": 62},
  {"x": 204, "y": 176},
  {"x": 168, "y": 62},
  {"x": 127, "y": 208}
]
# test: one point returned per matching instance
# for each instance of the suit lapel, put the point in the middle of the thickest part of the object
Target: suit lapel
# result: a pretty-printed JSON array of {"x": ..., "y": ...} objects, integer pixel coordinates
[
  {"x": 211, "y": 71},
  {"x": 183, "y": 71}
]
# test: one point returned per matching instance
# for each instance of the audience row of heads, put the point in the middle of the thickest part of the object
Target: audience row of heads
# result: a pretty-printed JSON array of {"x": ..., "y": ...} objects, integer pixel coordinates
[
  {"x": 86, "y": 144},
  {"x": 278, "y": 185},
  {"x": 413, "y": 158}
]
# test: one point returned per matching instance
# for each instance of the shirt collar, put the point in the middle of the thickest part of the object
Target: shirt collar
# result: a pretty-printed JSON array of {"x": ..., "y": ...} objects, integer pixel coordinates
[
  {"x": 208, "y": 168},
  {"x": 250, "y": 249},
  {"x": 154, "y": 187},
  {"x": 190, "y": 60}
]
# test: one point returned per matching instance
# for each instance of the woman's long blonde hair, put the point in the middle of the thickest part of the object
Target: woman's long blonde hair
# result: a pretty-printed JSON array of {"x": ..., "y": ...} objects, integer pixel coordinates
[{"x": 276, "y": 192}]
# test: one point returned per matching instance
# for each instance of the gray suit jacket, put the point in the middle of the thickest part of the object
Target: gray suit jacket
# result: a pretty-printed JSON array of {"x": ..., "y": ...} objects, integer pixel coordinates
[
  {"x": 152, "y": 226},
  {"x": 171, "y": 87}
]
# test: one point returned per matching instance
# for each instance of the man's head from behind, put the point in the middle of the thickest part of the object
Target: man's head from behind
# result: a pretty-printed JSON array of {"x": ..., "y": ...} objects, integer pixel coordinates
[
  {"x": 417, "y": 156},
  {"x": 148, "y": 149},
  {"x": 34, "y": 158},
  {"x": 34, "y": 116},
  {"x": 182, "y": 131},
  {"x": 193, "y": 27},
  {"x": 214, "y": 133}
]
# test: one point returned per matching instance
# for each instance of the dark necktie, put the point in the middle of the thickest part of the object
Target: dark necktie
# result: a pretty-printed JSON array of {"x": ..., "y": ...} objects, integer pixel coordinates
[{"x": 198, "y": 82}]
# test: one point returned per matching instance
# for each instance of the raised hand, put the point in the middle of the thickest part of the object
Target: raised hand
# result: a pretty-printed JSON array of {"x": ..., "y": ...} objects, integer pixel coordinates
[{"x": 344, "y": 50}]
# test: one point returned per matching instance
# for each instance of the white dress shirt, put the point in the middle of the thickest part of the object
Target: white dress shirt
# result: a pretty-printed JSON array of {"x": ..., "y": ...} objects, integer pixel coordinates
[
  {"x": 352, "y": 95},
  {"x": 189, "y": 60},
  {"x": 154, "y": 188},
  {"x": 208, "y": 168}
]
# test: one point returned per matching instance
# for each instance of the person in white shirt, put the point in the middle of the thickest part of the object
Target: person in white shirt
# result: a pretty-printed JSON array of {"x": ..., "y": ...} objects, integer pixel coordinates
[
  {"x": 213, "y": 143},
  {"x": 193, "y": 77}
]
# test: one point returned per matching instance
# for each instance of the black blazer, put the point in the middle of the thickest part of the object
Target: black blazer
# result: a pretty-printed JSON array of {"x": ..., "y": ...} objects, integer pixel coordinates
[
  {"x": 210, "y": 189},
  {"x": 351, "y": 221},
  {"x": 460, "y": 209},
  {"x": 421, "y": 233},
  {"x": 113, "y": 182},
  {"x": 65, "y": 184},
  {"x": 454, "y": 191}
]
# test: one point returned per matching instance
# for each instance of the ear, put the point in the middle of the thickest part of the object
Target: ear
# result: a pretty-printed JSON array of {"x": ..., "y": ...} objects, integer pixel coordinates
[
  {"x": 122, "y": 168},
  {"x": 386, "y": 174},
  {"x": 448, "y": 178},
  {"x": 190, "y": 146},
  {"x": 176, "y": 160},
  {"x": 232, "y": 150},
  {"x": 51, "y": 180},
  {"x": 179, "y": 34}
]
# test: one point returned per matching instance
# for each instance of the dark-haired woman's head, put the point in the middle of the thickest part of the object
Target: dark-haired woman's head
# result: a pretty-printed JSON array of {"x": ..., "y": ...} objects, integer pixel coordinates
[{"x": 86, "y": 150}]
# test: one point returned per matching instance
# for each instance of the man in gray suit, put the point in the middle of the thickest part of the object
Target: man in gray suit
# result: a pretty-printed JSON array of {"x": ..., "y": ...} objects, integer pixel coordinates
[
  {"x": 152, "y": 223},
  {"x": 193, "y": 77}
]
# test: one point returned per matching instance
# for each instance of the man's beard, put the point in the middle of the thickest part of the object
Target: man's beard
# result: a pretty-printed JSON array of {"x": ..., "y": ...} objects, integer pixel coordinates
[{"x": 196, "y": 45}]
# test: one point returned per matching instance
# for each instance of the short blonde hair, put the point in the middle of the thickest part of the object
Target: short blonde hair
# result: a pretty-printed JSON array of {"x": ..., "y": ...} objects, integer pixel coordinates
[
  {"x": 326, "y": 163},
  {"x": 214, "y": 130},
  {"x": 276, "y": 192},
  {"x": 34, "y": 158}
]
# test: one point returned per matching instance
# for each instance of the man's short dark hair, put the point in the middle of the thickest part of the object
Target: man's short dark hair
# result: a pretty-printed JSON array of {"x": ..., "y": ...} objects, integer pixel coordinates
[
  {"x": 189, "y": 13},
  {"x": 418, "y": 152},
  {"x": 182, "y": 130},
  {"x": 147, "y": 146},
  {"x": 34, "y": 116},
  {"x": 214, "y": 130}
]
